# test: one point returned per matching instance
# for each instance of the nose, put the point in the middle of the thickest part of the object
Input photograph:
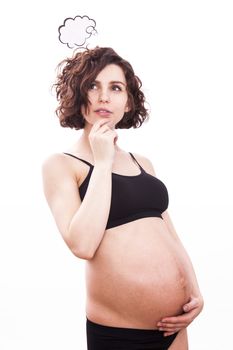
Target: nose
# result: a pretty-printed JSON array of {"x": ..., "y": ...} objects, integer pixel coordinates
[{"x": 103, "y": 96}]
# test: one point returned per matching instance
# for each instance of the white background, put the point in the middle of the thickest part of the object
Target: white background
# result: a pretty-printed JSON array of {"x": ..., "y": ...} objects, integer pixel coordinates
[{"x": 182, "y": 51}]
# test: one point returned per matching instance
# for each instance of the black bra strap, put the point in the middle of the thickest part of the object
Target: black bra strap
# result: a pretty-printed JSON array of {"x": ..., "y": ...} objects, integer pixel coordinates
[
  {"x": 83, "y": 160},
  {"x": 136, "y": 160}
]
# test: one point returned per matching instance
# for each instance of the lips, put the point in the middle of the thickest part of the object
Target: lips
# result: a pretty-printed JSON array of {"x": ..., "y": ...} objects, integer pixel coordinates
[{"x": 103, "y": 112}]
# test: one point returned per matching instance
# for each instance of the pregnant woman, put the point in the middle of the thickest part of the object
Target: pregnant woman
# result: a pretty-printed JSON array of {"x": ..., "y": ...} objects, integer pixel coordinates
[{"x": 111, "y": 210}]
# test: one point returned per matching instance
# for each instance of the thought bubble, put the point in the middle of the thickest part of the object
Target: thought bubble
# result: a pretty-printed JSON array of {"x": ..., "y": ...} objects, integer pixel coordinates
[{"x": 75, "y": 31}]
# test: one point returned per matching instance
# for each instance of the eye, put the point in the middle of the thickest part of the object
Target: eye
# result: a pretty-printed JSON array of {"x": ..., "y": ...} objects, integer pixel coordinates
[
  {"x": 116, "y": 88},
  {"x": 93, "y": 86}
]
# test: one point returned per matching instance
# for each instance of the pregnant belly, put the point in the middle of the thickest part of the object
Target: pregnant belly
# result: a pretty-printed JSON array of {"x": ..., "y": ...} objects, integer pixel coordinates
[{"x": 137, "y": 276}]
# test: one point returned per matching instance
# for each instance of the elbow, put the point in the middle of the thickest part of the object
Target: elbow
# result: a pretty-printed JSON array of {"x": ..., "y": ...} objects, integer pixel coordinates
[
  {"x": 81, "y": 253},
  {"x": 80, "y": 246}
]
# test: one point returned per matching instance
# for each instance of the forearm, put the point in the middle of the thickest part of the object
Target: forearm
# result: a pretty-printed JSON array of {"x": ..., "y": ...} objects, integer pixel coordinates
[{"x": 88, "y": 225}]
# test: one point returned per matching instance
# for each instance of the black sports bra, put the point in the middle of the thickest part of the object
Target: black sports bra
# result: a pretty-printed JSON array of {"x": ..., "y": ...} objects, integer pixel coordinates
[{"x": 133, "y": 197}]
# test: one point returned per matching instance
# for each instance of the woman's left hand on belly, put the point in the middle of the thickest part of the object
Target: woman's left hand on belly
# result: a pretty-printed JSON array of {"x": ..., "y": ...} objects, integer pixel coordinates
[{"x": 171, "y": 325}]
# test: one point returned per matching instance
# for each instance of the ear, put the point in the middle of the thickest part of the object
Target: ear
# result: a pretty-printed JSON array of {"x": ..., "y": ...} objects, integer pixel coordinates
[{"x": 127, "y": 109}]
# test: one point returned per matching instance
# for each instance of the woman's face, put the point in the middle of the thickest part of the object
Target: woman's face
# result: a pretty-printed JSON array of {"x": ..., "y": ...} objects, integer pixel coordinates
[{"x": 108, "y": 96}]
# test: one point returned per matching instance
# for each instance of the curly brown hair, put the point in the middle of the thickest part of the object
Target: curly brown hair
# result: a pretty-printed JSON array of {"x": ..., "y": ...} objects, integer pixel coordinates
[{"x": 78, "y": 73}]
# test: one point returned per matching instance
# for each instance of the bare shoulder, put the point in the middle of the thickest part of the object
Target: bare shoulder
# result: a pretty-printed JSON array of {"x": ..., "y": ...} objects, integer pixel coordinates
[
  {"x": 145, "y": 163},
  {"x": 55, "y": 159},
  {"x": 57, "y": 172},
  {"x": 56, "y": 165}
]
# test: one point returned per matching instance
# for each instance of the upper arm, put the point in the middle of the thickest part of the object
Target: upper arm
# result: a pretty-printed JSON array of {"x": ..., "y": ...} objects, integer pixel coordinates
[{"x": 61, "y": 191}]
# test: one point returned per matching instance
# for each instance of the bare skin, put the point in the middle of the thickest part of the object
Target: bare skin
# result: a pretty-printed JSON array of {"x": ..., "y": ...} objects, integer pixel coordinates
[
  {"x": 137, "y": 265},
  {"x": 138, "y": 274}
]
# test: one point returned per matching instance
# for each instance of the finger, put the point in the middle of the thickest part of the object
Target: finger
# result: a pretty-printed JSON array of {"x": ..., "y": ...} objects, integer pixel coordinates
[
  {"x": 176, "y": 323},
  {"x": 108, "y": 126},
  {"x": 191, "y": 305},
  {"x": 99, "y": 123},
  {"x": 181, "y": 318},
  {"x": 109, "y": 132},
  {"x": 166, "y": 326},
  {"x": 171, "y": 325},
  {"x": 166, "y": 334},
  {"x": 174, "y": 329},
  {"x": 173, "y": 319},
  {"x": 115, "y": 139},
  {"x": 103, "y": 129},
  {"x": 169, "y": 329},
  {"x": 112, "y": 133},
  {"x": 111, "y": 125}
]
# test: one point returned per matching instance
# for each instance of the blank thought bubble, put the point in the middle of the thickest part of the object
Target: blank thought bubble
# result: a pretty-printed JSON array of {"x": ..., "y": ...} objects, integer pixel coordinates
[{"x": 75, "y": 31}]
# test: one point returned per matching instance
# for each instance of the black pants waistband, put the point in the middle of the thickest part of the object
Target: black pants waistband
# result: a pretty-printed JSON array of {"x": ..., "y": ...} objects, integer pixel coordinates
[{"x": 101, "y": 337}]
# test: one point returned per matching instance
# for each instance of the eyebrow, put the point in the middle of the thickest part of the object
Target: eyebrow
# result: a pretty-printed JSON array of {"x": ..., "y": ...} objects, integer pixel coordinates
[{"x": 112, "y": 82}]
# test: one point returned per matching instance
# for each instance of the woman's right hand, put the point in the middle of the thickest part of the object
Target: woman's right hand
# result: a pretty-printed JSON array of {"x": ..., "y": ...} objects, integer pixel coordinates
[{"x": 102, "y": 138}]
